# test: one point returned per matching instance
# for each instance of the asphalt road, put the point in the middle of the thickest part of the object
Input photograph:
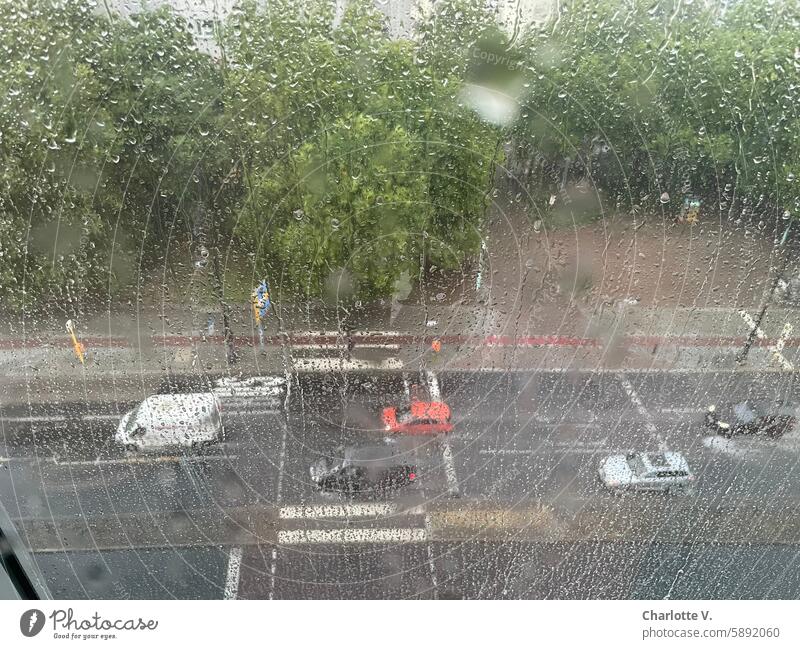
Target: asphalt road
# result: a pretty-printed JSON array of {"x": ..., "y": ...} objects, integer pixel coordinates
[{"x": 508, "y": 505}]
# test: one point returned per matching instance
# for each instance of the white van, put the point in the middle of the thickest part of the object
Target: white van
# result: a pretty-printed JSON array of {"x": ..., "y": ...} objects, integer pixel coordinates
[{"x": 165, "y": 420}]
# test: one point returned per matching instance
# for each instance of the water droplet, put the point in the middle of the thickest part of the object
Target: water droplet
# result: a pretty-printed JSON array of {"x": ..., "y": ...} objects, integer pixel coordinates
[
  {"x": 298, "y": 214},
  {"x": 334, "y": 224}
]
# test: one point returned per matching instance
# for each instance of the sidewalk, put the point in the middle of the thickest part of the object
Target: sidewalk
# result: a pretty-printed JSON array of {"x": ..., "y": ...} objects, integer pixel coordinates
[{"x": 134, "y": 360}]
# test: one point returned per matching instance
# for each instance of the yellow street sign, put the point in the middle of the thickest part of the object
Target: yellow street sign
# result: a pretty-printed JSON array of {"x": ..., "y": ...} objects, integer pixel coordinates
[{"x": 77, "y": 347}]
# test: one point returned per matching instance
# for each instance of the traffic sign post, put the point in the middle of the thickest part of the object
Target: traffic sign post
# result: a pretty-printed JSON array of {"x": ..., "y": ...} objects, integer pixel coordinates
[
  {"x": 262, "y": 297},
  {"x": 261, "y": 305},
  {"x": 77, "y": 347}
]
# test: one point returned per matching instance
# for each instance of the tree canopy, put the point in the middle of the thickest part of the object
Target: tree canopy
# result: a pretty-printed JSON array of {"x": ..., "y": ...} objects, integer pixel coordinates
[{"x": 323, "y": 150}]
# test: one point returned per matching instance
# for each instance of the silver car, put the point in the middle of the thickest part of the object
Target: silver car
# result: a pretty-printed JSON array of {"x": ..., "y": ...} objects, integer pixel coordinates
[{"x": 668, "y": 471}]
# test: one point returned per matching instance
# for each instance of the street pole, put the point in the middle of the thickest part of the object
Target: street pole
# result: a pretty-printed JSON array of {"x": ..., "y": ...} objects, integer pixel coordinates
[
  {"x": 757, "y": 325},
  {"x": 230, "y": 351}
]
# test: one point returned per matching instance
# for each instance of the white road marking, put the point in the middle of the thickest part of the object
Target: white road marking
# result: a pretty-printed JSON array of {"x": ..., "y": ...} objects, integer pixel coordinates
[
  {"x": 344, "y": 365},
  {"x": 144, "y": 459},
  {"x": 273, "y": 568},
  {"x": 551, "y": 450},
  {"x": 776, "y": 349},
  {"x": 431, "y": 562},
  {"x": 232, "y": 578},
  {"x": 335, "y": 334},
  {"x": 637, "y": 402},
  {"x": 249, "y": 411},
  {"x": 748, "y": 320},
  {"x": 406, "y": 386},
  {"x": 435, "y": 394},
  {"x": 278, "y": 492},
  {"x": 449, "y": 468},
  {"x": 57, "y": 419},
  {"x": 327, "y": 346},
  {"x": 433, "y": 386},
  {"x": 338, "y": 511},
  {"x": 288, "y": 397},
  {"x": 265, "y": 384},
  {"x": 226, "y": 406},
  {"x": 686, "y": 410},
  {"x": 354, "y": 535}
]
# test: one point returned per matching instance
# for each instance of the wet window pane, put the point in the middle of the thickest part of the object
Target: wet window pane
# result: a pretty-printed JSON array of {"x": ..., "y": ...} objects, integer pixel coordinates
[{"x": 239, "y": 239}]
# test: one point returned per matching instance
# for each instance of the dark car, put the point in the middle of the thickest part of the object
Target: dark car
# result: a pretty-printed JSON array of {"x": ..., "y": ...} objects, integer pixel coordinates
[
  {"x": 752, "y": 418},
  {"x": 365, "y": 470}
]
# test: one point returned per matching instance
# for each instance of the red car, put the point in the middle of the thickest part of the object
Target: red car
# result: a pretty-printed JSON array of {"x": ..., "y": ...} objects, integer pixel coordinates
[{"x": 418, "y": 418}]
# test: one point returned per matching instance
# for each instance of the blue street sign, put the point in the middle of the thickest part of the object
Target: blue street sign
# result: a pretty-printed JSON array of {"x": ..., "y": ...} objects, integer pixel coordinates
[{"x": 262, "y": 297}]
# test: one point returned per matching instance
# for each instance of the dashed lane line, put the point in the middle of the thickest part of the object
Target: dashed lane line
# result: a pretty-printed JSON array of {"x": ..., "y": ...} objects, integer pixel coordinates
[
  {"x": 433, "y": 386},
  {"x": 644, "y": 412},
  {"x": 273, "y": 568},
  {"x": 353, "y": 536},
  {"x": 278, "y": 493},
  {"x": 450, "y": 469},
  {"x": 435, "y": 394},
  {"x": 232, "y": 577},
  {"x": 431, "y": 560}
]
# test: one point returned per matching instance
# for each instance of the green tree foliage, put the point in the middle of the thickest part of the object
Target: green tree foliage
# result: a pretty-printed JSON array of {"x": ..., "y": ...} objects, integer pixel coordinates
[
  {"x": 679, "y": 97},
  {"x": 363, "y": 162},
  {"x": 52, "y": 228},
  {"x": 331, "y": 154},
  {"x": 349, "y": 203},
  {"x": 103, "y": 125}
]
